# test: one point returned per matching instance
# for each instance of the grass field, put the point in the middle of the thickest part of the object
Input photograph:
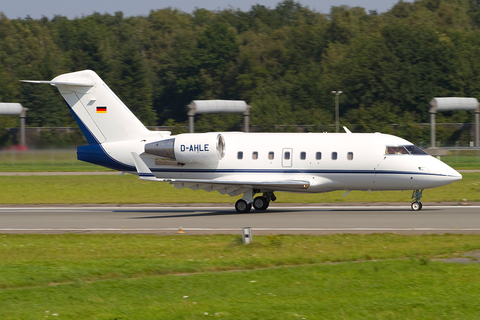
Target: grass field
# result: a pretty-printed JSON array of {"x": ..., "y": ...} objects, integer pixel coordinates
[
  {"x": 376, "y": 276},
  {"x": 463, "y": 159},
  {"x": 44, "y": 161},
  {"x": 129, "y": 189}
]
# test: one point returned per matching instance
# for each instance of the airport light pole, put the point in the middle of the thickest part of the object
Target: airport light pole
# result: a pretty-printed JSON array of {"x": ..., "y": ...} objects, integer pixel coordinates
[{"x": 337, "y": 93}]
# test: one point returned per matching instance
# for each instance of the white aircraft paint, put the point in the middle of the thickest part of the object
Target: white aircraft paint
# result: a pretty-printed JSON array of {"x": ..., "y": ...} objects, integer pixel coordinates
[{"x": 238, "y": 163}]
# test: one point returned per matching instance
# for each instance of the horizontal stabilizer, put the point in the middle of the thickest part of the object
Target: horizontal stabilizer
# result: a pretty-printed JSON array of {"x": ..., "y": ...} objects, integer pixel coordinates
[{"x": 64, "y": 83}]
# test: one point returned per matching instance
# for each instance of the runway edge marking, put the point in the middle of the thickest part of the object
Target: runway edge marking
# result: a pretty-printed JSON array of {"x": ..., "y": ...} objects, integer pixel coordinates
[{"x": 240, "y": 229}]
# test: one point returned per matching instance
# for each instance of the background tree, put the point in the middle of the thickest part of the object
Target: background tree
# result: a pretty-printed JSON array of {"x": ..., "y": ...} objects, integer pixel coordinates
[{"x": 284, "y": 61}]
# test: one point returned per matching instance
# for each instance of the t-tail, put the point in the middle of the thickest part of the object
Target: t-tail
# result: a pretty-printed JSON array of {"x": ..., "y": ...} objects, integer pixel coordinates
[{"x": 102, "y": 117}]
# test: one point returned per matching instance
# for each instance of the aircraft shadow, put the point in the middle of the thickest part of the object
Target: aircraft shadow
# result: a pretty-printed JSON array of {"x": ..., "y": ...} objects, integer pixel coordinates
[
  {"x": 194, "y": 213},
  {"x": 185, "y": 213}
]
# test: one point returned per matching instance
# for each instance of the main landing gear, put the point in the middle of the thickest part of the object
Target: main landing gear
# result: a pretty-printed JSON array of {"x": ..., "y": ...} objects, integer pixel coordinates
[
  {"x": 260, "y": 203},
  {"x": 242, "y": 206},
  {"x": 416, "y": 204}
]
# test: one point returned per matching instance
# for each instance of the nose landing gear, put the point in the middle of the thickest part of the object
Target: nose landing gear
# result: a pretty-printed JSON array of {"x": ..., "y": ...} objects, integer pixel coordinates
[{"x": 416, "y": 204}]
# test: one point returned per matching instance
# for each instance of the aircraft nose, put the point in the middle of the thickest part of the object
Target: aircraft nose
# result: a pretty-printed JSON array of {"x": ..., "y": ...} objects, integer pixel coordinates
[
  {"x": 450, "y": 174},
  {"x": 457, "y": 176}
]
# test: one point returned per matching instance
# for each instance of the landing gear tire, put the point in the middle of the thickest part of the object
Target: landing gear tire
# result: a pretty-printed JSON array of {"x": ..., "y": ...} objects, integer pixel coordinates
[
  {"x": 260, "y": 203},
  {"x": 416, "y": 196},
  {"x": 242, "y": 206},
  {"x": 416, "y": 206}
]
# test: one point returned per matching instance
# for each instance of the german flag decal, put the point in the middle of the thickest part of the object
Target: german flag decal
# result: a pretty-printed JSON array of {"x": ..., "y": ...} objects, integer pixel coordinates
[{"x": 101, "y": 109}]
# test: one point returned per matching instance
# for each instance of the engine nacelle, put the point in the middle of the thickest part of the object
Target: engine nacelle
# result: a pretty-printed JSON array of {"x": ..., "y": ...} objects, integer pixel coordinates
[{"x": 190, "y": 148}]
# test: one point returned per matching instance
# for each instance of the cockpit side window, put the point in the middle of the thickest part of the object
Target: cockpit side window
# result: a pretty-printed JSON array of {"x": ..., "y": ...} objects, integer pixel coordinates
[
  {"x": 415, "y": 150},
  {"x": 395, "y": 150}
]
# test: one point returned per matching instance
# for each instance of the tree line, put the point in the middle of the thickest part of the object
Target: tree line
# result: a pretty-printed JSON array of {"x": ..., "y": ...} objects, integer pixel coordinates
[{"x": 284, "y": 61}]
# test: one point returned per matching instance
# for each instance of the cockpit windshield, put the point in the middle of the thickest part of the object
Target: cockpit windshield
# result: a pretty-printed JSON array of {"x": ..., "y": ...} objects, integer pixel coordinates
[
  {"x": 404, "y": 150},
  {"x": 415, "y": 150}
]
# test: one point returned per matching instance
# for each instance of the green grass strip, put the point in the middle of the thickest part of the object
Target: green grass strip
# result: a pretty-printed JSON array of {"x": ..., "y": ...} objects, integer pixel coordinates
[
  {"x": 44, "y": 161},
  {"x": 33, "y": 260},
  {"x": 402, "y": 289},
  {"x": 129, "y": 189},
  {"x": 378, "y": 276}
]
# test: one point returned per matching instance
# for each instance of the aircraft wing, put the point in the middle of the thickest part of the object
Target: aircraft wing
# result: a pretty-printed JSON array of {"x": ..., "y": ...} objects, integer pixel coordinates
[
  {"x": 236, "y": 187},
  {"x": 230, "y": 187}
]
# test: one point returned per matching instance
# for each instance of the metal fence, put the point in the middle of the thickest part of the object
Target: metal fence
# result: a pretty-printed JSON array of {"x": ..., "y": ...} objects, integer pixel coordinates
[
  {"x": 46, "y": 159},
  {"x": 64, "y": 137}
]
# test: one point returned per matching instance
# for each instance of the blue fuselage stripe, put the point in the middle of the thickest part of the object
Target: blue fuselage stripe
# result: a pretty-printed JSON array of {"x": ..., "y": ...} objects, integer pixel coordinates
[
  {"x": 146, "y": 175},
  {"x": 289, "y": 171}
]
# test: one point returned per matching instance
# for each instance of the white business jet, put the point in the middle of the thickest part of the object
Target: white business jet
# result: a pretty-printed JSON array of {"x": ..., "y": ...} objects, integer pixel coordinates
[{"x": 235, "y": 163}]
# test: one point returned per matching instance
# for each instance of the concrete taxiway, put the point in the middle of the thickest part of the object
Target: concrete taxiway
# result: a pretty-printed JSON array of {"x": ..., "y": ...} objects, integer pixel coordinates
[{"x": 211, "y": 220}]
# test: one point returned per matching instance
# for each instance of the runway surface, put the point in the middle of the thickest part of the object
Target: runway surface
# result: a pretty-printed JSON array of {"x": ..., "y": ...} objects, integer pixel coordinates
[{"x": 211, "y": 220}]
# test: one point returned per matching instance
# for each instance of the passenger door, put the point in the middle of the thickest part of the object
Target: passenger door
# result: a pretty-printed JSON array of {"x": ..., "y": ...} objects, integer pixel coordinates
[{"x": 287, "y": 155}]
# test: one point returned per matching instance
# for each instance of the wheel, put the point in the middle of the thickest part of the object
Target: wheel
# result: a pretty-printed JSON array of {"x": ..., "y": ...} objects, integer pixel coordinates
[
  {"x": 260, "y": 203},
  {"x": 242, "y": 206},
  {"x": 416, "y": 206}
]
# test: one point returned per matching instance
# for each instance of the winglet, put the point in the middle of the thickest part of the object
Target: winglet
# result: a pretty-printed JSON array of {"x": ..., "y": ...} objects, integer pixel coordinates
[
  {"x": 143, "y": 171},
  {"x": 346, "y": 130}
]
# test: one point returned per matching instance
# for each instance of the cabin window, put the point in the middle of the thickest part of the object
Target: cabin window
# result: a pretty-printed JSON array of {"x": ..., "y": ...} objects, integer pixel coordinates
[
  {"x": 350, "y": 156},
  {"x": 303, "y": 155},
  {"x": 396, "y": 150},
  {"x": 240, "y": 155},
  {"x": 318, "y": 156},
  {"x": 255, "y": 155},
  {"x": 334, "y": 156},
  {"x": 271, "y": 155},
  {"x": 286, "y": 155}
]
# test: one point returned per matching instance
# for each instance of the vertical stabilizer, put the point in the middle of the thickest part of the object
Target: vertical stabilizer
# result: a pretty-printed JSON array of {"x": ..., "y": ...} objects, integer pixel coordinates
[{"x": 101, "y": 115}]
